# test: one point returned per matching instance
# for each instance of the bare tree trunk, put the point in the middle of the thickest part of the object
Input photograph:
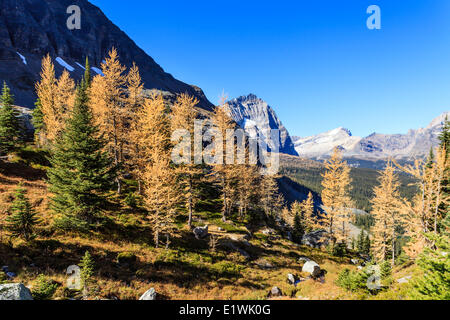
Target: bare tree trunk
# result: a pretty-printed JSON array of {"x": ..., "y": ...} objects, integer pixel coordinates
[
  {"x": 190, "y": 203},
  {"x": 225, "y": 204},
  {"x": 438, "y": 202}
]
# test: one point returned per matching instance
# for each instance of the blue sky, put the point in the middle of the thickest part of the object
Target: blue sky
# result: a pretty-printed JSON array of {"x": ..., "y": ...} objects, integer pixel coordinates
[{"x": 314, "y": 61}]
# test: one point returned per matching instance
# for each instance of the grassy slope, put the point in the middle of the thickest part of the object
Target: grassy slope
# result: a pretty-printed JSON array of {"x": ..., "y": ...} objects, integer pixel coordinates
[{"x": 189, "y": 271}]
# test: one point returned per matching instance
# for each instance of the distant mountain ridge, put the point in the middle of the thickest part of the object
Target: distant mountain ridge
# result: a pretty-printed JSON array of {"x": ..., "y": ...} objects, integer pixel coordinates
[
  {"x": 29, "y": 29},
  {"x": 255, "y": 115},
  {"x": 414, "y": 144}
]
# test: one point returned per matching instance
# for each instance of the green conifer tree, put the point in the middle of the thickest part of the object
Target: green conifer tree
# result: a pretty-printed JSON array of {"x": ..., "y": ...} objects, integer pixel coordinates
[
  {"x": 9, "y": 123},
  {"x": 299, "y": 228},
  {"x": 38, "y": 120},
  {"x": 435, "y": 264},
  {"x": 444, "y": 137},
  {"x": 87, "y": 271},
  {"x": 81, "y": 172},
  {"x": 23, "y": 218}
]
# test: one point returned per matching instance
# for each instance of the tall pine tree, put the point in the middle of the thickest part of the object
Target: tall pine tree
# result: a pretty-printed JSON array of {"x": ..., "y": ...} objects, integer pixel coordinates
[
  {"x": 9, "y": 123},
  {"x": 81, "y": 171}
]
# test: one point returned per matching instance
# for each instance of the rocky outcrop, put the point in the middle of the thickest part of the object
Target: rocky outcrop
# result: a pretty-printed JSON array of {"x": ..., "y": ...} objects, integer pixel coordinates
[
  {"x": 14, "y": 291},
  {"x": 316, "y": 239},
  {"x": 312, "y": 268},
  {"x": 149, "y": 295},
  {"x": 29, "y": 29},
  {"x": 255, "y": 116},
  {"x": 200, "y": 232}
]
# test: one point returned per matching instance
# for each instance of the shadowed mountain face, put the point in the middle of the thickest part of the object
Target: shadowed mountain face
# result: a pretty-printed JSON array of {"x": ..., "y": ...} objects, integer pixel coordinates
[
  {"x": 29, "y": 29},
  {"x": 255, "y": 115}
]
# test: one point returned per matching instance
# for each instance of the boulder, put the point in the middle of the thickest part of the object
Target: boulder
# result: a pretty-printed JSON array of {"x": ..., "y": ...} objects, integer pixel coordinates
[
  {"x": 291, "y": 279},
  {"x": 263, "y": 264},
  {"x": 201, "y": 232},
  {"x": 354, "y": 261},
  {"x": 316, "y": 239},
  {"x": 404, "y": 279},
  {"x": 303, "y": 259},
  {"x": 149, "y": 295},
  {"x": 14, "y": 291},
  {"x": 312, "y": 268},
  {"x": 275, "y": 292}
]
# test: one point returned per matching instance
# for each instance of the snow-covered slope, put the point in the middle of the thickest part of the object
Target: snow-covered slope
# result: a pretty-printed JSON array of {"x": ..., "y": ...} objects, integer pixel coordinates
[
  {"x": 416, "y": 143},
  {"x": 251, "y": 113},
  {"x": 324, "y": 143}
]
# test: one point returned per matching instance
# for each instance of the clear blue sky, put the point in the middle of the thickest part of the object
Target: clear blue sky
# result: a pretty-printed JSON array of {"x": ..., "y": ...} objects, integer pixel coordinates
[{"x": 314, "y": 61}]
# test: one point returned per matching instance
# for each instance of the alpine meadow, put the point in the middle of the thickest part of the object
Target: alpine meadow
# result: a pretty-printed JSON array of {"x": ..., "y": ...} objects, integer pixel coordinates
[{"x": 120, "y": 182}]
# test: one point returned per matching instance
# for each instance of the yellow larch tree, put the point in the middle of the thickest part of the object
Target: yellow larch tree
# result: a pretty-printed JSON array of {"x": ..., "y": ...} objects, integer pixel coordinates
[
  {"x": 386, "y": 210},
  {"x": 224, "y": 173},
  {"x": 108, "y": 105},
  {"x": 428, "y": 207},
  {"x": 56, "y": 99},
  {"x": 135, "y": 101},
  {"x": 183, "y": 117},
  {"x": 335, "y": 197},
  {"x": 268, "y": 194},
  {"x": 247, "y": 182}
]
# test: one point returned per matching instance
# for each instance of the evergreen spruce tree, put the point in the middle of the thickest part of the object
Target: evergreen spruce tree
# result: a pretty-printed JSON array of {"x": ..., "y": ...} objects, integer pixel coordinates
[
  {"x": 81, "y": 172},
  {"x": 23, "y": 219},
  {"x": 87, "y": 73},
  {"x": 435, "y": 264},
  {"x": 87, "y": 271},
  {"x": 444, "y": 137},
  {"x": 9, "y": 123},
  {"x": 38, "y": 121},
  {"x": 299, "y": 228}
]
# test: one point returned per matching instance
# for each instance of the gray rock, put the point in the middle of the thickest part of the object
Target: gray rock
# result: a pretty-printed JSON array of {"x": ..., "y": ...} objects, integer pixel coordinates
[
  {"x": 312, "y": 268},
  {"x": 149, "y": 295},
  {"x": 360, "y": 268},
  {"x": 316, "y": 239},
  {"x": 404, "y": 279},
  {"x": 14, "y": 291},
  {"x": 201, "y": 232},
  {"x": 354, "y": 261},
  {"x": 303, "y": 259},
  {"x": 264, "y": 264},
  {"x": 291, "y": 278},
  {"x": 275, "y": 292}
]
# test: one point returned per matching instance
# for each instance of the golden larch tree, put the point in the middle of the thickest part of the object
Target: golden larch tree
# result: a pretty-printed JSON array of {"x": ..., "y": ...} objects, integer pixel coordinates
[
  {"x": 183, "y": 117},
  {"x": 386, "y": 210},
  {"x": 107, "y": 102},
  {"x": 336, "y": 198}
]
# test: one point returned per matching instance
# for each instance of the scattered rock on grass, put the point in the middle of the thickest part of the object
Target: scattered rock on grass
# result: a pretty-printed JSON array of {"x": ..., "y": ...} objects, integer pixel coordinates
[
  {"x": 404, "y": 279},
  {"x": 149, "y": 295},
  {"x": 275, "y": 292},
  {"x": 14, "y": 291},
  {"x": 201, "y": 232}
]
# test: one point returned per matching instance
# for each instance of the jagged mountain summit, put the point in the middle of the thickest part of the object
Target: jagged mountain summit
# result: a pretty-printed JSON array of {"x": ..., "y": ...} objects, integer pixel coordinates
[
  {"x": 252, "y": 113},
  {"x": 414, "y": 144},
  {"x": 29, "y": 29}
]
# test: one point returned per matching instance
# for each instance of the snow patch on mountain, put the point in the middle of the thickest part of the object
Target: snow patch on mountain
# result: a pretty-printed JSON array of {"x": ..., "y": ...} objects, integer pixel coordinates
[
  {"x": 24, "y": 60},
  {"x": 414, "y": 144},
  {"x": 324, "y": 143},
  {"x": 97, "y": 70},
  {"x": 64, "y": 64}
]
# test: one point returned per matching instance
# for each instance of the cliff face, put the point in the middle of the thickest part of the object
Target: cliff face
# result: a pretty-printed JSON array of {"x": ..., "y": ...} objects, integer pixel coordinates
[
  {"x": 29, "y": 29},
  {"x": 252, "y": 113}
]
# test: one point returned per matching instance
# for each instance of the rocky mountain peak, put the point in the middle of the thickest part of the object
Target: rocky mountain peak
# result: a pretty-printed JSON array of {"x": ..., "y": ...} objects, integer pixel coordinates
[
  {"x": 29, "y": 29},
  {"x": 251, "y": 112}
]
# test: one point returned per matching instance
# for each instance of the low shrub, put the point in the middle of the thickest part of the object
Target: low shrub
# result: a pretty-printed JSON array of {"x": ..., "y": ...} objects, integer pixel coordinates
[{"x": 43, "y": 288}]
